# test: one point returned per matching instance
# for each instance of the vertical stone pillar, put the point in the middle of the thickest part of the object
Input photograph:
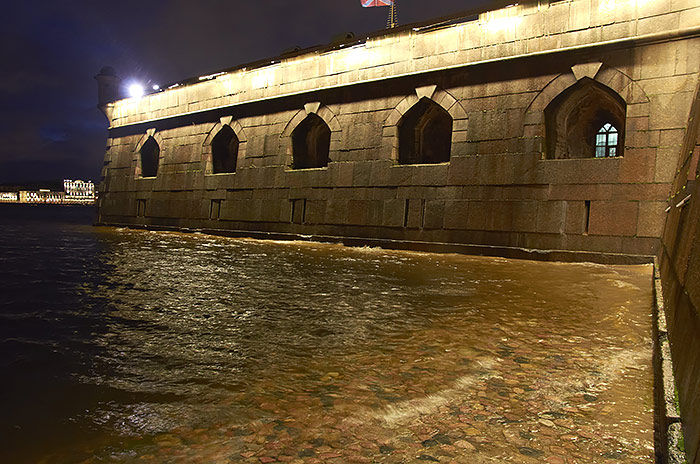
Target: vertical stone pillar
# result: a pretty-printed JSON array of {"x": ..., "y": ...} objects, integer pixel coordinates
[{"x": 108, "y": 89}]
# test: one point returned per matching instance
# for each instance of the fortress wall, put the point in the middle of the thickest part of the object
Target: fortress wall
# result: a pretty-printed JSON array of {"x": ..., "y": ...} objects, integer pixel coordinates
[
  {"x": 530, "y": 27},
  {"x": 493, "y": 79},
  {"x": 680, "y": 272},
  {"x": 495, "y": 190}
]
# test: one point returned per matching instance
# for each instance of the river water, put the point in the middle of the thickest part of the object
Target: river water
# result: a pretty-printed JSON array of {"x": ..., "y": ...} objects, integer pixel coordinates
[{"x": 133, "y": 346}]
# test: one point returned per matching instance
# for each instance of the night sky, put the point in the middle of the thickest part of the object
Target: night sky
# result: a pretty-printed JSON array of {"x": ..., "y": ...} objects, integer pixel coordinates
[{"x": 50, "y": 128}]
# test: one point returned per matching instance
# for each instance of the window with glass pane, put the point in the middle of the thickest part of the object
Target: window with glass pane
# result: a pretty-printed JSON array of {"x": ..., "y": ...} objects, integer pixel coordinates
[{"x": 606, "y": 141}]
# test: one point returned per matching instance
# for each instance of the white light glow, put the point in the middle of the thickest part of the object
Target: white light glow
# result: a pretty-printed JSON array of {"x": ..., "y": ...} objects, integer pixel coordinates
[
  {"x": 264, "y": 77},
  {"x": 607, "y": 5},
  {"x": 357, "y": 55},
  {"x": 211, "y": 76},
  {"x": 506, "y": 20},
  {"x": 155, "y": 87},
  {"x": 136, "y": 90},
  {"x": 503, "y": 24}
]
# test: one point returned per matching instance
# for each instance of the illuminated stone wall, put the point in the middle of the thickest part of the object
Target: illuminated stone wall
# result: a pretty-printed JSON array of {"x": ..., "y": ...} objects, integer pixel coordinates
[
  {"x": 680, "y": 272},
  {"x": 493, "y": 75}
]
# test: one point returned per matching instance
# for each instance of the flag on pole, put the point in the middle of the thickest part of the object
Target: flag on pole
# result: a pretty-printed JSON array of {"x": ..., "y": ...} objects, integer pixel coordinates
[
  {"x": 393, "y": 20},
  {"x": 369, "y": 3}
]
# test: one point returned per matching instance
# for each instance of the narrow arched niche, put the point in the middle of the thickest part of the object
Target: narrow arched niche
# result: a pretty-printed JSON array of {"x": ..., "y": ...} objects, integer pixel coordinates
[
  {"x": 575, "y": 118},
  {"x": 150, "y": 153},
  {"x": 311, "y": 141},
  {"x": 425, "y": 134},
  {"x": 224, "y": 151}
]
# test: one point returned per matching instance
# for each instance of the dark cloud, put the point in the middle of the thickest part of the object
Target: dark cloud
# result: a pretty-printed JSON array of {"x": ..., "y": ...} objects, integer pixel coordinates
[{"x": 49, "y": 125}]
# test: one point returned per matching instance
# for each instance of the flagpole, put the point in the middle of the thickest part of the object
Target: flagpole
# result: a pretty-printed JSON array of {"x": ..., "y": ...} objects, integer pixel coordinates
[{"x": 391, "y": 22}]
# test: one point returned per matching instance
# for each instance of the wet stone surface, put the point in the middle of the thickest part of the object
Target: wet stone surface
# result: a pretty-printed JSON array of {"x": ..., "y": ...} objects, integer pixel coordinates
[{"x": 309, "y": 353}]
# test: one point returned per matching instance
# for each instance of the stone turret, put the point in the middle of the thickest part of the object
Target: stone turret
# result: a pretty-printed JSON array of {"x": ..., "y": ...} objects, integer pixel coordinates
[{"x": 108, "y": 89}]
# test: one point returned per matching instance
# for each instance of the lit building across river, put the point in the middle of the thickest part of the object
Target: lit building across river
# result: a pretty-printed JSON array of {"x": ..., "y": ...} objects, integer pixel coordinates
[
  {"x": 75, "y": 192},
  {"x": 79, "y": 191}
]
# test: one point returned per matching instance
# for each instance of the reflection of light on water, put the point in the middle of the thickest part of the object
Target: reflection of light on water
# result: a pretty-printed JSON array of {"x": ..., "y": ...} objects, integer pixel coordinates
[{"x": 212, "y": 334}]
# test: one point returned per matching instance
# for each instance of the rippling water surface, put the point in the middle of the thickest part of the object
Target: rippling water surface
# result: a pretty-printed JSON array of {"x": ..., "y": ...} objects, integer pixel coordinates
[{"x": 133, "y": 346}]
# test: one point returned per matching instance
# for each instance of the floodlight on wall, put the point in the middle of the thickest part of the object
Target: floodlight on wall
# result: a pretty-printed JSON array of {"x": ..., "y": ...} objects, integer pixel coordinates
[
  {"x": 136, "y": 90},
  {"x": 155, "y": 87}
]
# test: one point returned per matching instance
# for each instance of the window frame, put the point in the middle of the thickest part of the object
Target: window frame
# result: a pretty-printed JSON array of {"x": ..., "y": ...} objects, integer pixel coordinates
[{"x": 607, "y": 145}]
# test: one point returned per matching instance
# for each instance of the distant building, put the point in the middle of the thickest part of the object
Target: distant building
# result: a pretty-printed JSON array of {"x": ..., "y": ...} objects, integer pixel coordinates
[
  {"x": 41, "y": 196},
  {"x": 9, "y": 197},
  {"x": 29, "y": 196},
  {"x": 78, "y": 191},
  {"x": 54, "y": 198}
]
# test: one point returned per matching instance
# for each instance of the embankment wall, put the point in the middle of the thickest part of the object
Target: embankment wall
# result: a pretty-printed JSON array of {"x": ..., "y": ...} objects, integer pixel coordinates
[
  {"x": 680, "y": 272},
  {"x": 494, "y": 75}
]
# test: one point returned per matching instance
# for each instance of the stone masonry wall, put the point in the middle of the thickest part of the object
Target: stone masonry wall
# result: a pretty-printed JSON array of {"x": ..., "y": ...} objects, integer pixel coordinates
[
  {"x": 680, "y": 272},
  {"x": 494, "y": 76}
]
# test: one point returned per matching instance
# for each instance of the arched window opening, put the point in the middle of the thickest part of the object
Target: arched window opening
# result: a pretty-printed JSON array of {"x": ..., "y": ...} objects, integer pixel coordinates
[
  {"x": 224, "y": 150},
  {"x": 586, "y": 120},
  {"x": 150, "y": 153},
  {"x": 425, "y": 134},
  {"x": 311, "y": 142},
  {"x": 606, "y": 141}
]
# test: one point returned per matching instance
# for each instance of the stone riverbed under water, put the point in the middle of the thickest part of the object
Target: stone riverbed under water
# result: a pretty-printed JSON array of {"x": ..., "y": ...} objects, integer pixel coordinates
[{"x": 202, "y": 349}]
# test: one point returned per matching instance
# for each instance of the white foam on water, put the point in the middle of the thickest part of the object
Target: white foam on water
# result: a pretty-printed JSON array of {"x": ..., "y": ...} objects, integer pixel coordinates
[
  {"x": 622, "y": 284},
  {"x": 406, "y": 411},
  {"x": 612, "y": 366}
]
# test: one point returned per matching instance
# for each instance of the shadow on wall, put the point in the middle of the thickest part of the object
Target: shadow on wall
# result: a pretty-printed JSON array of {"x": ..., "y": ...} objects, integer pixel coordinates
[
  {"x": 224, "y": 149},
  {"x": 149, "y": 155},
  {"x": 425, "y": 134},
  {"x": 311, "y": 141}
]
